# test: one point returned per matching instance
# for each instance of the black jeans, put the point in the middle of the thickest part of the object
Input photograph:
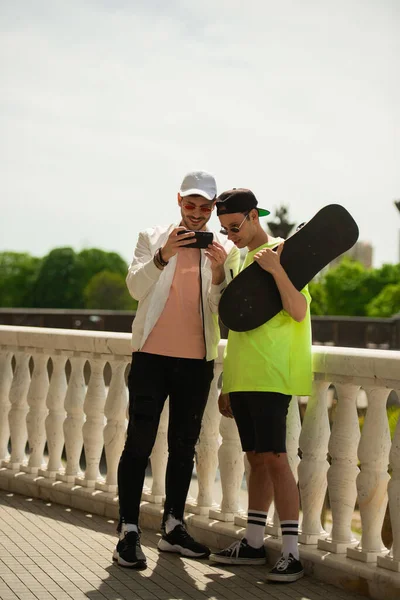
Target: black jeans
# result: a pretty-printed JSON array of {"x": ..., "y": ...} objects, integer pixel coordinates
[{"x": 151, "y": 380}]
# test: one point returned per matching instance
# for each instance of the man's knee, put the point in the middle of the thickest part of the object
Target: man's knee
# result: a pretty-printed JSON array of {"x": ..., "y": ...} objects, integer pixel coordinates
[
  {"x": 182, "y": 447},
  {"x": 271, "y": 461},
  {"x": 144, "y": 416}
]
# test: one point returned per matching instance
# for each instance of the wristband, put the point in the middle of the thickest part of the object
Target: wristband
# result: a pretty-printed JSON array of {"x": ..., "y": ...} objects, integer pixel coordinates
[{"x": 160, "y": 258}]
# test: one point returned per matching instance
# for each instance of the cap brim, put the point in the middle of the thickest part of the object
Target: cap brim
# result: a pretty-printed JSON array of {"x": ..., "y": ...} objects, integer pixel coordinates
[
  {"x": 262, "y": 212},
  {"x": 195, "y": 192}
]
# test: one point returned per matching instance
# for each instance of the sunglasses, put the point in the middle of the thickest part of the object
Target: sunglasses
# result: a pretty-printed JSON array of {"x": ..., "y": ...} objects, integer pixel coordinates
[
  {"x": 206, "y": 210},
  {"x": 234, "y": 228}
]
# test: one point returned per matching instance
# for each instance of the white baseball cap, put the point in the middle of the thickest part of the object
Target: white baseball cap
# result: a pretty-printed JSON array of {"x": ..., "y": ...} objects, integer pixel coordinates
[{"x": 199, "y": 183}]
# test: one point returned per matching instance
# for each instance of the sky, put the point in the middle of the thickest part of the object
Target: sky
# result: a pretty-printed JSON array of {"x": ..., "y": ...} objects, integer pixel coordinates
[{"x": 106, "y": 104}]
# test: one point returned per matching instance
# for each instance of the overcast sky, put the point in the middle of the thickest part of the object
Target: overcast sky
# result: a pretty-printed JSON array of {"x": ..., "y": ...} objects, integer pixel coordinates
[{"x": 106, "y": 104}]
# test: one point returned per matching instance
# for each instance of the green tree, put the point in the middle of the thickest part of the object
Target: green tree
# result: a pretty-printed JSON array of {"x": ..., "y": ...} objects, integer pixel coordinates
[
  {"x": 94, "y": 260},
  {"x": 59, "y": 281},
  {"x": 386, "y": 303},
  {"x": 18, "y": 271},
  {"x": 318, "y": 295},
  {"x": 350, "y": 287},
  {"x": 346, "y": 288},
  {"x": 108, "y": 290}
]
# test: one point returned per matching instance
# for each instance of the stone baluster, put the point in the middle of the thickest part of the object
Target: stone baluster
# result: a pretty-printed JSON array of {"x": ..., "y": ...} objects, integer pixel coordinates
[
  {"x": 207, "y": 451},
  {"x": 372, "y": 481},
  {"x": 6, "y": 377},
  {"x": 231, "y": 468},
  {"x": 74, "y": 420},
  {"x": 55, "y": 417},
  {"x": 392, "y": 561},
  {"x": 240, "y": 517},
  {"x": 93, "y": 427},
  {"x": 115, "y": 429},
  {"x": 314, "y": 465},
  {"x": 293, "y": 429},
  {"x": 19, "y": 409},
  {"x": 35, "y": 420},
  {"x": 158, "y": 459},
  {"x": 342, "y": 473}
]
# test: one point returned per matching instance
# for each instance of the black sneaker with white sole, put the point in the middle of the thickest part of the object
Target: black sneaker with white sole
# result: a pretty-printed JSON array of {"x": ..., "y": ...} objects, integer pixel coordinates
[
  {"x": 180, "y": 542},
  {"x": 240, "y": 553},
  {"x": 286, "y": 569},
  {"x": 129, "y": 553}
]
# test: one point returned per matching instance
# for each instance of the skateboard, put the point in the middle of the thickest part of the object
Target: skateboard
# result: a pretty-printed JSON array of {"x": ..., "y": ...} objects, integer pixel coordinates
[{"x": 252, "y": 297}]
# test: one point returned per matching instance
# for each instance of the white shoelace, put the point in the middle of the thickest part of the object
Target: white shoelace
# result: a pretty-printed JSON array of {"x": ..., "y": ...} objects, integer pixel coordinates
[
  {"x": 235, "y": 548},
  {"x": 283, "y": 563}
]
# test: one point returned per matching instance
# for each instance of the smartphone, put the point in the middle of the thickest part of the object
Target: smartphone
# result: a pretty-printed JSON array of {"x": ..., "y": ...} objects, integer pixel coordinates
[{"x": 202, "y": 239}]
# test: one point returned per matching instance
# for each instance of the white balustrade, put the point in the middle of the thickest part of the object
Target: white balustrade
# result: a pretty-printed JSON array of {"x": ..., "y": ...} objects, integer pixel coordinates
[
  {"x": 19, "y": 410},
  {"x": 312, "y": 469},
  {"x": 207, "y": 451},
  {"x": 114, "y": 431},
  {"x": 343, "y": 471},
  {"x": 158, "y": 460},
  {"x": 92, "y": 430},
  {"x": 231, "y": 468},
  {"x": 35, "y": 419},
  {"x": 6, "y": 376},
  {"x": 56, "y": 416},
  {"x": 74, "y": 420},
  {"x": 392, "y": 560},
  {"x": 372, "y": 481}
]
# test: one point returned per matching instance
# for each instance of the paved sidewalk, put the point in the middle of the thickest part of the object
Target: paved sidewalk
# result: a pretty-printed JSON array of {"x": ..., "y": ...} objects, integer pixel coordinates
[{"x": 52, "y": 552}]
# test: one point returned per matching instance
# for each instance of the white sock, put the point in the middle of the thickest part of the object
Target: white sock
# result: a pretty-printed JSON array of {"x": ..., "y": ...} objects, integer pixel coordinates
[
  {"x": 126, "y": 527},
  {"x": 171, "y": 523},
  {"x": 290, "y": 533},
  {"x": 255, "y": 529}
]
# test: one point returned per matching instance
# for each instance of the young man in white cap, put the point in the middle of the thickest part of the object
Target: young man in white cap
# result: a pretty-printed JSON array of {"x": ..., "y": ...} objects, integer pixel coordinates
[
  {"x": 175, "y": 335},
  {"x": 263, "y": 368}
]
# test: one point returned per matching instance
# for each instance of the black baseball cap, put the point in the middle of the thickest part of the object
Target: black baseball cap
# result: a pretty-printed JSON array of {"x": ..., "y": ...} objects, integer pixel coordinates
[{"x": 238, "y": 200}]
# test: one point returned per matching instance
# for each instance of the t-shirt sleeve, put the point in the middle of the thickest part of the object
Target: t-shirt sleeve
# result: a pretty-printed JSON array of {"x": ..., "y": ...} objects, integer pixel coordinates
[{"x": 306, "y": 294}]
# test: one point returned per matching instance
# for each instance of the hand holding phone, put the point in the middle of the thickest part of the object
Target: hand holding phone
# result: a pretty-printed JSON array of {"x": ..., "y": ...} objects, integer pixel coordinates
[
  {"x": 178, "y": 238},
  {"x": 202, "y": 239}
]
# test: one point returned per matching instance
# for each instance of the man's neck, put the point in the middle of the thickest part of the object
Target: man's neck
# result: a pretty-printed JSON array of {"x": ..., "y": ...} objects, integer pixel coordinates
[{"x": 260, "y": 238}]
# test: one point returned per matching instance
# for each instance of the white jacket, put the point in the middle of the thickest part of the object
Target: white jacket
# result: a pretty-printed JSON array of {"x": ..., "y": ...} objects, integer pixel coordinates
[{"x": 150, "y": 286}]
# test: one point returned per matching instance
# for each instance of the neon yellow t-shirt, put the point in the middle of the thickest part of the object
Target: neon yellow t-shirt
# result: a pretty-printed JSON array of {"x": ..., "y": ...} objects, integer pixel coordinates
[{"x": 275, "y": 357}]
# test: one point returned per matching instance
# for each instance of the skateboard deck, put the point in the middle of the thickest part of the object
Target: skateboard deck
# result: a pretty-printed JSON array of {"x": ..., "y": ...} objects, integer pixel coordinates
[{"x": 252, "y": 297}]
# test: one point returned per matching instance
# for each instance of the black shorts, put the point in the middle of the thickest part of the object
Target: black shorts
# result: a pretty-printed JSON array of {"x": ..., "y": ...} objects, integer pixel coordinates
[{"x": 261, "y": 420}]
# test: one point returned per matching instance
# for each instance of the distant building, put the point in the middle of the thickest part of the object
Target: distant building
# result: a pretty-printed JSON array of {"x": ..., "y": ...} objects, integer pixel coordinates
[{"x": 361, "y": 251}]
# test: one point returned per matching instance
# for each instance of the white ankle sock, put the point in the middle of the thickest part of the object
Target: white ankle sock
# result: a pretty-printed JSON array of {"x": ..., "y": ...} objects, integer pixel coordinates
[
  {"x": 255, "y": 529},
  {"x": 171, "y": 523},
  {"x": 290, "y": 532},
  {"x": 126, "y": 527}
]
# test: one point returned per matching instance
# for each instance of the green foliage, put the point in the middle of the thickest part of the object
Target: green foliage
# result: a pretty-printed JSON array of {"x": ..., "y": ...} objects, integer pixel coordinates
[
  {"x": 94, "y": 260},
  {"x": 318, "y": 295},
  {"x": 347, "y": 291},
  {"x": 386, "y": 303},
  {"x": 17, "y": 276},
  {"x": 56, "y": 281},
  {"x": 59, "y": 281},
  {"x": 108, "y": 290},
  {"x": 350, "y": 289}
]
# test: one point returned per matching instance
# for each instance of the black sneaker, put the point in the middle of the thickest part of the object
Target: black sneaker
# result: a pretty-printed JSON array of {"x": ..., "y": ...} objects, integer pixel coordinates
[
  {"x": 179, "y": 541},
  {"x": 240, "y": 553},
  {"x": 128, "y": 552},
  {"x": 287, "y": 569}
]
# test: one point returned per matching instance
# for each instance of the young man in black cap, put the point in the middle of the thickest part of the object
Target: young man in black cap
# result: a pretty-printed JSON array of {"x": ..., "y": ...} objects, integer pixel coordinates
[
  {"x": 175, "y": 336},
  {"x": 263, "y": 368}
]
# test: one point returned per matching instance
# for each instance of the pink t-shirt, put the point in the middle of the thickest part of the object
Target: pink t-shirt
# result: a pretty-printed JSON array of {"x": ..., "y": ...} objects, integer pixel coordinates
[{"x": 179, "y": 329}]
